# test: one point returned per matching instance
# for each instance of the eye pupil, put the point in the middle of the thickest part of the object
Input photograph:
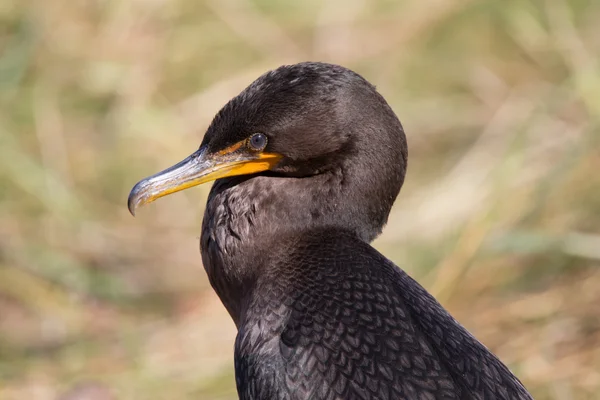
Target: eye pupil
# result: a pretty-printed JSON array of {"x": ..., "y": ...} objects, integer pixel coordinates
[{"x": 258, "y": 141}]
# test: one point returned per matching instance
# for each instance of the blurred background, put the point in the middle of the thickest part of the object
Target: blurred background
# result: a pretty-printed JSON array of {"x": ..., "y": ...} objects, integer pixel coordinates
[{"x": 499, "y": 217}]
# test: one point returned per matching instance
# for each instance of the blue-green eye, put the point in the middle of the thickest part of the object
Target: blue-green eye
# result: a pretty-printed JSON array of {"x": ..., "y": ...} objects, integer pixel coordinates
[{"x": 258, "y": 141}]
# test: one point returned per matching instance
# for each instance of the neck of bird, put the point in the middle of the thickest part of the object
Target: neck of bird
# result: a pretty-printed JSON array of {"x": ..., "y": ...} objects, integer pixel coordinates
[{"x": 244, "y": 216}]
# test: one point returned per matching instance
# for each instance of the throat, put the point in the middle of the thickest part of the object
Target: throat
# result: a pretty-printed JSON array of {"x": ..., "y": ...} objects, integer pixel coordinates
[
  {"x": 246, "y": 217},
  {"x": 237, "y": 232}
]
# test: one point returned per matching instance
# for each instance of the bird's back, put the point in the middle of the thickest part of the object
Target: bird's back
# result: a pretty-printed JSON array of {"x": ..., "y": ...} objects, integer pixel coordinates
[{"x": 331, "y": 318}]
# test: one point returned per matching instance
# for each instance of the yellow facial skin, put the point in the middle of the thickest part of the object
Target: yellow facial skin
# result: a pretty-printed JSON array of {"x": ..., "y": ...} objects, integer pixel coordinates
[{"x": 199, "y": 168}]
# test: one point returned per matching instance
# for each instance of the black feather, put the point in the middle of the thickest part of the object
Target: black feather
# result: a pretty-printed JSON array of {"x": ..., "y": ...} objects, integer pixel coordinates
[{"x": 320, "y": 313}]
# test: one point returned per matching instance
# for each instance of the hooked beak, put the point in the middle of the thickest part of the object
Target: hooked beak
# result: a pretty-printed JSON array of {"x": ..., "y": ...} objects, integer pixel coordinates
[{"x": 199, "y": 168}]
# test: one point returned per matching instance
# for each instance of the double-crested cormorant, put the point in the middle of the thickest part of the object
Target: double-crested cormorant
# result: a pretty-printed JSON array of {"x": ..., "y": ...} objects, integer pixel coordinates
[{"x": 308, "y": 161}]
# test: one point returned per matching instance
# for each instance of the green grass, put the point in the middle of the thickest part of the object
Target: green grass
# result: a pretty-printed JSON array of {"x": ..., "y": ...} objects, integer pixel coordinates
[{"x": 499, "y": 216}]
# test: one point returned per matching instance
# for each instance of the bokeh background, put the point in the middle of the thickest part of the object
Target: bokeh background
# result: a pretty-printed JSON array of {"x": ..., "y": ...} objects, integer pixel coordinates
[{"x": 499, "y": 217}]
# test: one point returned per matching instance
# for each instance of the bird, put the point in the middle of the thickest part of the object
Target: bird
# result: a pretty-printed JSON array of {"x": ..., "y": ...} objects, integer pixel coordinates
[{"x": 307, "y": 162}]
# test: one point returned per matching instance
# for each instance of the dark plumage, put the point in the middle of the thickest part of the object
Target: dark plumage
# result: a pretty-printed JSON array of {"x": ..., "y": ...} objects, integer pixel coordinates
[{"x": 320, "y": 313}]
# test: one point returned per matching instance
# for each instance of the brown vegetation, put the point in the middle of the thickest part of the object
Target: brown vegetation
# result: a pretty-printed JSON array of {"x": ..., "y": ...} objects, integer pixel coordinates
[{"x": 499, "y": 216}]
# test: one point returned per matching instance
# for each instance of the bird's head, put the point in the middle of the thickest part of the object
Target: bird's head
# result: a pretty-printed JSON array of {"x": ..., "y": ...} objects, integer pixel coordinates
[{"x": 296, "y": 121}]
